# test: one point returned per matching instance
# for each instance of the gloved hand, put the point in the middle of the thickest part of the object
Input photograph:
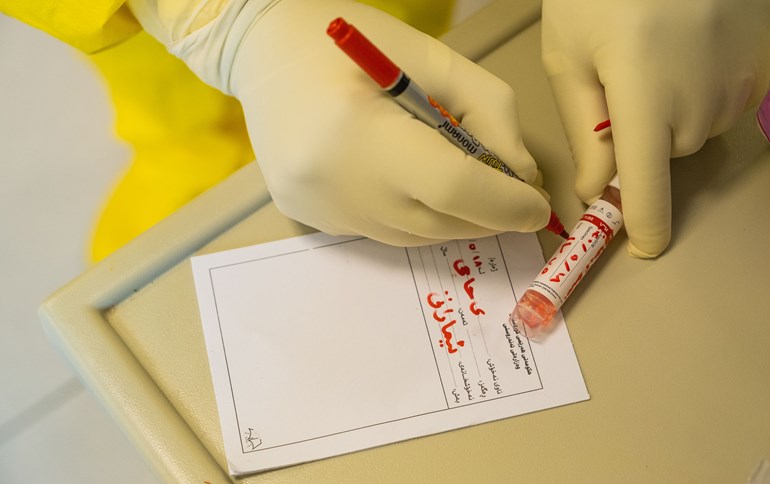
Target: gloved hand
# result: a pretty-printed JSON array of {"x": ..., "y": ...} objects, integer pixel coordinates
[
  {"x": 336, "y": 152},
  {"x": 668, "y": 74}
]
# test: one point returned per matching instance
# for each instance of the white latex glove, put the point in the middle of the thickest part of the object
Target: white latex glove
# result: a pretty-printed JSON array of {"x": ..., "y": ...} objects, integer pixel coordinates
[
  {"x": 669, "y": 74},
  {"x": 339, "y": 154}
]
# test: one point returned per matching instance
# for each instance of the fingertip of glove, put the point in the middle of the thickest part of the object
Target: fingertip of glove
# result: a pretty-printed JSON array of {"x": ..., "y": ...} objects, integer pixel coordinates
[
  {"x": 542, "y": 192},
  {"x": 649, "y": 253},
  {"x": 529, "y": 213},
  {"x": 541, "y": 216},
  {"x": 589, "y": 192}
]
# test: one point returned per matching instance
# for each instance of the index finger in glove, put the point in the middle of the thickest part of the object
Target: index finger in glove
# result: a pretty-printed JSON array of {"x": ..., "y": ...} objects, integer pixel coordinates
[
  {"x": 642, "y": 139},
  {"x": 580, "y": 99}
]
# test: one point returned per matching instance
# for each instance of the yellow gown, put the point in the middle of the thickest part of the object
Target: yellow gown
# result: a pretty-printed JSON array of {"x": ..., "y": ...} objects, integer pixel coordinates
[{"x": 185, "y": 135}]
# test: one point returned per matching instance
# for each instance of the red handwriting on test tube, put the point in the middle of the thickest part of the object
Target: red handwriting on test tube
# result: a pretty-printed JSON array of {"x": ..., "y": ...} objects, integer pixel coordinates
[
  {"x": 547, "y": 268},
  {"x": 595, "y": 236},
  {"x": 566, "y": 244},
  {"x": 436, "y": 302},
  {"x": 570, "y": 262}
]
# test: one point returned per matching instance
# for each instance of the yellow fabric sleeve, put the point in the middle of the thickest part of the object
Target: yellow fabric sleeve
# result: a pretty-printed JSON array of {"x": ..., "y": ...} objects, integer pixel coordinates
[
  {"x": 88, "y": 25},
  {"x": 93, "y": 25}
]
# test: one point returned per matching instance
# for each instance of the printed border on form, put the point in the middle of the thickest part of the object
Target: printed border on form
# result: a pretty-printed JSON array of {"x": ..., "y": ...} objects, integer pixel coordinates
[{"x": 322, "y": 345}]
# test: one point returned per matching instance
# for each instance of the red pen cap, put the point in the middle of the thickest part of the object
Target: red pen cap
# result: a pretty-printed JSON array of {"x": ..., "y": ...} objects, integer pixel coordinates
[{"x": 364, "y": 53}]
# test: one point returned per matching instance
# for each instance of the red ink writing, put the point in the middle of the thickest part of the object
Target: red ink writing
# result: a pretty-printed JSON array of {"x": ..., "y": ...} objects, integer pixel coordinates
[
  {"x": 437, "y": 302},
  {"x": 463, "y": 270}
]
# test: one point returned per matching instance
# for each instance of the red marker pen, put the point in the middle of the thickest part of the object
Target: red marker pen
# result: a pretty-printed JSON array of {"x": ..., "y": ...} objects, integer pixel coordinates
[{"x": 410, "y": 96}]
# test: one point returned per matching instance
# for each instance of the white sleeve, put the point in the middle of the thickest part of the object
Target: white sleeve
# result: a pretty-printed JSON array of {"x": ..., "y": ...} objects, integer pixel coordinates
[{"x": 205, "y": 34}]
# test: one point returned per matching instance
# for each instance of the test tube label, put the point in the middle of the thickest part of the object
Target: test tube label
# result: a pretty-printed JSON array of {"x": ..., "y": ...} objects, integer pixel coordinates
[{"x": 577, "y": 254}]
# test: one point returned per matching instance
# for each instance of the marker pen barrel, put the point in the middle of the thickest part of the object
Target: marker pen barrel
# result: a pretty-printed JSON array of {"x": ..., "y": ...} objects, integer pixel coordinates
[{"x": 412, "y": 98}]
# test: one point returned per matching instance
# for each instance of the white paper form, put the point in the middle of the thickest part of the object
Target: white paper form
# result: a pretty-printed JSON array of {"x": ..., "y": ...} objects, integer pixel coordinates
[{"x": 322, "y": 345}]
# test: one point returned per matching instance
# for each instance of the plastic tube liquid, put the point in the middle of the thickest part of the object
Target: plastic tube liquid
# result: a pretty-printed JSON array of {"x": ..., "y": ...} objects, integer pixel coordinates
[{"x": 536, "y": 309}]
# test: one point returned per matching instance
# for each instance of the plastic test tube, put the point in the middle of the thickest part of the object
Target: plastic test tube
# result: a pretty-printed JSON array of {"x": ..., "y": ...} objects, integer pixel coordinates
[{"x": 536, "y": 309}]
